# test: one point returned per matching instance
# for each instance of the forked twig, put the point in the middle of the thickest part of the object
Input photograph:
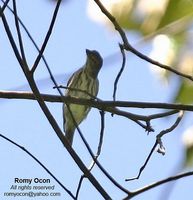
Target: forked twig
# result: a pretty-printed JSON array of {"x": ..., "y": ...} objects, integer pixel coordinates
[
  {"x": 3, "y": 7},
  {"x": 158, "y": 141}
]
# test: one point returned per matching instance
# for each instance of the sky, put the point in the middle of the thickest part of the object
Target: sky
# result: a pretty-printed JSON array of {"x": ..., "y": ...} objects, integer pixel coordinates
[{"x": 125, "y": 146}]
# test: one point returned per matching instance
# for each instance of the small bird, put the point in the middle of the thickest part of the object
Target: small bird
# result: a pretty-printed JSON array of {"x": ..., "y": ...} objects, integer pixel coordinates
[{"x": 84, "y": 79}]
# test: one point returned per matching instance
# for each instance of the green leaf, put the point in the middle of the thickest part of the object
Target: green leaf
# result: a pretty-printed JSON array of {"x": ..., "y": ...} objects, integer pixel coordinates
[
  {"x": 189, "y": 157},
  {"x": 176, "y": 10},
  {"x": 188, "y": 142},
  {"x": 185, "y": 93}
]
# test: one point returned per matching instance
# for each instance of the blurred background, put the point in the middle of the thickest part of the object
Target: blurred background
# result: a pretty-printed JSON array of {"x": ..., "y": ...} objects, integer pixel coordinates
[{"x": 161, "y": 29}]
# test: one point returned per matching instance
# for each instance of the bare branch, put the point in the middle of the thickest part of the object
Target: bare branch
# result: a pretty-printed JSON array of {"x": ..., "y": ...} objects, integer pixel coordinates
[
  {"x": 164, "y": 114},
  {"x": 79, "y": 90},
  {"x": 158, "y": 142},
  {"x": 102, "y": 113},
  {"x": 162, "y": 133},
  {"x": 11, "y": 40},
  {"x": 47, "y": 36},
  {"x": 128, "y": 46},
  {"x": 97, "y": 154},
  {"x": 19, "y": 33},
  {"x": 97, "y": 104},
  {"x": 120, "y": 72},
  {"x": 158, "y": 183},
  {"x": 79, "y": 185},
  {"x": 144, "y": 165},
  {"x": 55, "y": 98},
  {"x": 96, "y": 161},
  {"x": 109, "y": 106},
  {"x": 3, "y": 7},
  {"x": 134, "y": 117}
]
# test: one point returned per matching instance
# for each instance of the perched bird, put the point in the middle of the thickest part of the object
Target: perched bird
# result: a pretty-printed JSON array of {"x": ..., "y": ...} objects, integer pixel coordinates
[{"x": 84, "y": 79}]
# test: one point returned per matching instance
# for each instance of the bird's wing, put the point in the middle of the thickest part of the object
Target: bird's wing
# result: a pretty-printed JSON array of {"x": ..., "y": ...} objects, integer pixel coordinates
[
  {"x": 74, "y": 75},
  {"x": 70, "y": 83}
]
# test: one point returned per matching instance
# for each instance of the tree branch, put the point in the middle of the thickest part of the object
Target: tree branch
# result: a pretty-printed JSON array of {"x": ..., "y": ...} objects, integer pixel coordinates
[
  {"x": 158, "y": 141},
  {"x": 97, "y": 154},
  {"x": 158, "y": 183},
  {"x": 120, "y": 71},
  {"x": 96, "y": 104},
  {"x": 127, "y": 46},
  {"x": 47, "y": 36},
  {"x": 19, "y": 32},
  {"x": 3, "y": 7}
]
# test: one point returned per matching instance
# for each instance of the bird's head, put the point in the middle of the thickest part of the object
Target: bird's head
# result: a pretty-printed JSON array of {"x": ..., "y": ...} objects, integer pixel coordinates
[{"x": 94, "y": 62}]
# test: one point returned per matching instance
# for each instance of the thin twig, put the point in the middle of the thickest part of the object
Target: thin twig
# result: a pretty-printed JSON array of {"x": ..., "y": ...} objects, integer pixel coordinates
[
  {"x": 128, "y": 47},
  {"x": 19, "y": 33},
  {"x": 134, "y": 117},
  {"x": 158, "y": 142},
  {"x": 97, "y": 154},
  {"x": 161, "y": 148},
  {"x": 120, "y": 72},
  {"x": 102, "y": 113},
  {"x": 79, "y": 185},
  {"x": 161, "y": 115},
  {"x": 11, "y": 39},
  {"x": 158, "y": 183},
  {"x": 78, "y": 90},
  {"x": 144, "y": 165},
  {"x": 47, "y": 36},
  {"x": 162, "y": 133},
  {"x": 40, "y": 163}
]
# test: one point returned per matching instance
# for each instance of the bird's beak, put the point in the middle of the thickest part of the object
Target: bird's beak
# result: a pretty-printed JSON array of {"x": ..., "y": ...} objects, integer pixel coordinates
[{"x": 88, "y": 52}]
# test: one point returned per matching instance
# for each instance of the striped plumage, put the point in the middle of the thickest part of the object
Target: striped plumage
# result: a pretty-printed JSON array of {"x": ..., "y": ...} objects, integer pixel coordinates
[{"x": 84, "y": 79}]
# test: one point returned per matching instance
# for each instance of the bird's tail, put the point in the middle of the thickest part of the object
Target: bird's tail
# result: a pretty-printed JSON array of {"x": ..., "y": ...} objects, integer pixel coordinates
[{"x": 70, "y": 135}]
